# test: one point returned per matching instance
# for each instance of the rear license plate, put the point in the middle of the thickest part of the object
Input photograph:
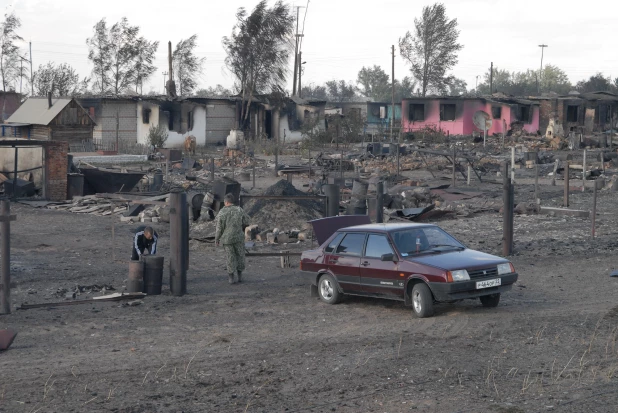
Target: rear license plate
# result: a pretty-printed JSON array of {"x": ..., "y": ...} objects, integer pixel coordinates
[{"x": 488, "y": 283}]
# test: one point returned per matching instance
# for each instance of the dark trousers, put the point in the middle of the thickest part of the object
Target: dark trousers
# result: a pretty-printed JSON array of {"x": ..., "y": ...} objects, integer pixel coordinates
[{"x": 135, "y": 255}]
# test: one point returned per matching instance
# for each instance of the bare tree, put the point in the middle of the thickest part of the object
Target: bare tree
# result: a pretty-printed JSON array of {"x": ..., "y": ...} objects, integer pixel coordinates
[
  {"x": 432, "y": 49},
  {"x": 9, "y": 53},
  {"x": 258, "y": 51},
  {"x": 62, "y": 80},
  {"x": 187, "y": 66}
]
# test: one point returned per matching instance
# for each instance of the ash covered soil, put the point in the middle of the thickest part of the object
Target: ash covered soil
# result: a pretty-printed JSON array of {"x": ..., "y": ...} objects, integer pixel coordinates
[{"x": 267, "y": 346}]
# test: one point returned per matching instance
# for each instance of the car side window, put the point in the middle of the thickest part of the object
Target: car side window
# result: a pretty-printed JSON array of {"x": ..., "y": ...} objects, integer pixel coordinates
[
  {"x": 352, "y": 244},
  {"x": 333, "y": 244},
  {"x": 377, "y": 245}
]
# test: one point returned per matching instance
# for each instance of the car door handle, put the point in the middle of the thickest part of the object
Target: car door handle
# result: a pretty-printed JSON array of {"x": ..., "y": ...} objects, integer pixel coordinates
[
  {"x": 365, "y": 263},
  {"x": 333, "y": 261}
]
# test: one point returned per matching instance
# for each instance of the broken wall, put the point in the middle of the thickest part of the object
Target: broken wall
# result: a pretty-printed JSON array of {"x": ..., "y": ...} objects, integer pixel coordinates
[{"x": 27, "y": 158}]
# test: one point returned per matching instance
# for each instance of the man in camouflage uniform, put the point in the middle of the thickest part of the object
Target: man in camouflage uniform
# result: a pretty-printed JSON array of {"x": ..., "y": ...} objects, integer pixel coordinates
[{"x": 231, "y": 221}]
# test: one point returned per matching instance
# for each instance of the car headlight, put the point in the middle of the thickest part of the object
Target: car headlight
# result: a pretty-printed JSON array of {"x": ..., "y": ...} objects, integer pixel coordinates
[
  {"x": 505, "y": 268},
  {"x": 459, "y": 275}
]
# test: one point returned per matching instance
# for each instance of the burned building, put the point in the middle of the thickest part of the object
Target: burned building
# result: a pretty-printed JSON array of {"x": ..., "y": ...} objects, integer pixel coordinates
[
  {"x": 453, "y": 115},
  {"x": 579, "y": 113}
]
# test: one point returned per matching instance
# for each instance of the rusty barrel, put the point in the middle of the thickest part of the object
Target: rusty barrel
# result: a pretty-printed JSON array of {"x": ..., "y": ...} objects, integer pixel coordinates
[
  {"x": 135, "y": 284},
  {"x": 153, "y": 274}
]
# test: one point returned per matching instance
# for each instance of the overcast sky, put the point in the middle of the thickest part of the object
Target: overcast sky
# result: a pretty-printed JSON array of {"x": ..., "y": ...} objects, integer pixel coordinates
[{"x": 341, "y": 36}]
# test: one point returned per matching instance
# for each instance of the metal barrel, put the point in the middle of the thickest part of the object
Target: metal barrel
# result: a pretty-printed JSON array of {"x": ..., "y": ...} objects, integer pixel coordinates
[
  {"x": 359, "y": 193},
  {"x": 135, "y": 284},
  {"x": 157, "y": 182},
  {"x": 153, "y": 274},
  {"x": 332, "y": 194}
]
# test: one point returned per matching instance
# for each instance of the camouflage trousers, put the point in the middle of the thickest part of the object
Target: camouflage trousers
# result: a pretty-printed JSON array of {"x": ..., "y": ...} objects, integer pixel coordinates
[{"x": 235, "y": 257}]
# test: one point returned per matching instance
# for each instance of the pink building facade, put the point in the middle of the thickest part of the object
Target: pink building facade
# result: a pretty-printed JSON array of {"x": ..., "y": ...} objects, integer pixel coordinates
[{"x": 454, "y": 115}]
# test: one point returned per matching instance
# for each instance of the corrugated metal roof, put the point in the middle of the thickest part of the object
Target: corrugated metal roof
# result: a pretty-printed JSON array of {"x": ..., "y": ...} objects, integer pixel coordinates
[{"x": 36, "y": 111}]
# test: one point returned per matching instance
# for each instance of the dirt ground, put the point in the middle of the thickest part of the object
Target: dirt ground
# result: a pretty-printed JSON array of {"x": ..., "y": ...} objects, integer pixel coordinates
[{"x": 267, "y": 346}]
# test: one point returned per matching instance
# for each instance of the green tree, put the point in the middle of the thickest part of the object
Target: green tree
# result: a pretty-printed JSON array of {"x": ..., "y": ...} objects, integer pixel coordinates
[
  {"x": 405, "y": 88},
  {"x": 596, "y": 83},
  {"x": 340, "y": 90},
  {"x": 121, "y": 57},
  {"x": 60, "y": 79},
  {"x": 432, "y": 49},
  {"x": 187, "y": 66},
  {"x": 218, "y": 91},
  {"x": 554, "y": 79},
  {"x": 9, "y": 53},
  {"x": 314, "y": 91},
  {"x": 374, "y": 83},
  {"x": 157, "y": 135},
  {"x": 258, "y": 51},
  {"x": 457, "y": 87}
]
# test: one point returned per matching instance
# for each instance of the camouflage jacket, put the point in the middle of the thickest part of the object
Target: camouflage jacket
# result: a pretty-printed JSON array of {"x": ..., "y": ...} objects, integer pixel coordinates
[{"x": 230, "y": 223}]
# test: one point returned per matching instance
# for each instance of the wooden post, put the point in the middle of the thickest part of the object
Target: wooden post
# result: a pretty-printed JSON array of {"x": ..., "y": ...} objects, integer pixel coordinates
[
  {"x": 253, "y": 176},
  {"x": 507, "y": 212},
  {"x": 469, "y": 173},
  {"x": 584, "y": 173},
  {"x": 454, "y": 167},
  {"x": 594, "y": 209},
  {"x": 113, "y": 234},
  {"x": 5, "y": 252},
  {"x": 566, "y": 185},
  {"x": 212, "y": 168},
  {"x": 179, "y": 236},
  {"x": 285, "y": 259},
  {"x": 553, "y": 176},
  {"x": 536, "y": 184},
  {"x": 380, "y": 202},
  {"x": 512, "y": 164},
  {"x": 167, "y": 169},
  {"x": 15, "y": 176}
]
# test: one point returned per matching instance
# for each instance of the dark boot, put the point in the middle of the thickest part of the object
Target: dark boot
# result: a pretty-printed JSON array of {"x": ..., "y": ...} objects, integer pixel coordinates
[
  {"x": 239, "y": 276},
  {"x": 230, "y": 278}
]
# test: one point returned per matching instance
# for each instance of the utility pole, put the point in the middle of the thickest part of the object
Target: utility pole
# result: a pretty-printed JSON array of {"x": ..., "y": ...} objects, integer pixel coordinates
[
  {"x": 491, "y": 79},
  {"x": 538, "y": 79},
  {"x": 164, "y": 80},
  {"x": 393, "y": 93},
  {"x": 476, "y": 88},
  {"x": 296, "y": 59},
  {"x": 31, "y": 76},
  {"x": 300, "y": 72}
]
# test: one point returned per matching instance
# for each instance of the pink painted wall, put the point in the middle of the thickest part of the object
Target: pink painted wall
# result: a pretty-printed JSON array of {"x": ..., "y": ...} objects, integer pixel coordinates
[{"x": 463, "y": 124}]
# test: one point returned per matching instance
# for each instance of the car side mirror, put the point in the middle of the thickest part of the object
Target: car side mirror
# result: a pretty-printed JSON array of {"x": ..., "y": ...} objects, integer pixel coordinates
[{"x": 389, "y": 257}]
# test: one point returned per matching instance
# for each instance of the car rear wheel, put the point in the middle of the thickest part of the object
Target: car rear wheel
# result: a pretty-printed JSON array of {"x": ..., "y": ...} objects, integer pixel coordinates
[
  {"x": 327, "y": 290},
  {"x": 490, "y": 300},
  {"x": 422, "y": 301}
]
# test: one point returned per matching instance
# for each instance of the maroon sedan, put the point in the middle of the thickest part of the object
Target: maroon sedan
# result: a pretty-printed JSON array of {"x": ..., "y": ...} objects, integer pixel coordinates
[{"x": 415, "y": 263}]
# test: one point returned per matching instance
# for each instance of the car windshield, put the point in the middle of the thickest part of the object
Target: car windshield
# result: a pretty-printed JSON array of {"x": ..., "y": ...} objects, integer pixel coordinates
[{"x": 424, "y": 240}]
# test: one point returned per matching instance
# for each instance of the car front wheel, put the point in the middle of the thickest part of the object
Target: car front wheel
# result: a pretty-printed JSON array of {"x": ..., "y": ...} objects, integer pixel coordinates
[
  {"x": 490, "y": 300},
  {"x": 327, "y": 290},
  {"x": 422, "y": 301}
]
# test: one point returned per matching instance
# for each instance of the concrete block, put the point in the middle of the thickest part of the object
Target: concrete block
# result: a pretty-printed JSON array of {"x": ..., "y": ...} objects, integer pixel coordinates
[
  {"x": 283, "y": 238},
  {"x": 565, "y": 212},
  {"x": 126, "y": 219},
  {"x": 271, "y": 238}
]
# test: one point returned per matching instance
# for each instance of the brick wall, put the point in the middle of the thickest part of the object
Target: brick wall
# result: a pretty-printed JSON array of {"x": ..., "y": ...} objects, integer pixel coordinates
[
  {"x": 547, "y": 109},
  {"x": 56, "y": 164}
]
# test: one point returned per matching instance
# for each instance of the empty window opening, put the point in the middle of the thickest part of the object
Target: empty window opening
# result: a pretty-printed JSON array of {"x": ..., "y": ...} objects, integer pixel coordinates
[
  {"x": 417, "y": 112},
  {"x": 189, "y": 120},
  {"x": 524, "y": 114},
  {"x": 572, "y": 113},
  {"x": 146, "y": 115},
  {"x": 496, "y": 112},
  {"x": 447, "y": 111}
]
